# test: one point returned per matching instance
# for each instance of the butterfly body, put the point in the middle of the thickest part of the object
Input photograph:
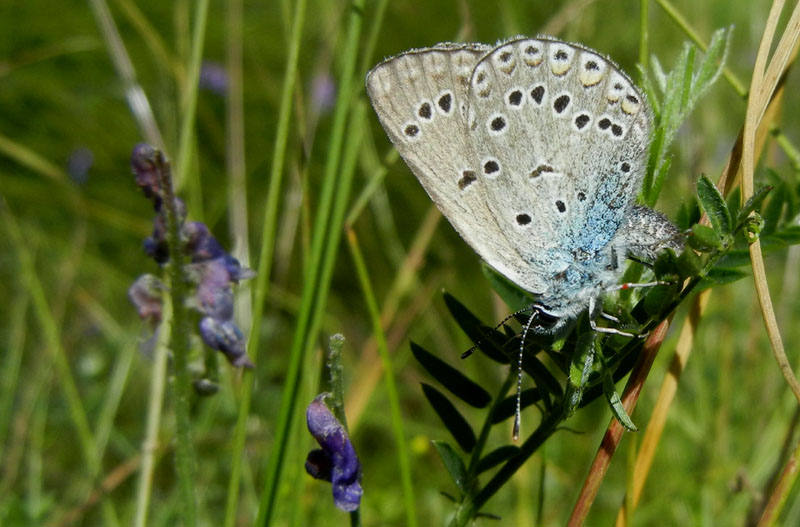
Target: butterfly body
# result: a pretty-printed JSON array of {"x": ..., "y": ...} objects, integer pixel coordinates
[{"x": 534, "y": 150}]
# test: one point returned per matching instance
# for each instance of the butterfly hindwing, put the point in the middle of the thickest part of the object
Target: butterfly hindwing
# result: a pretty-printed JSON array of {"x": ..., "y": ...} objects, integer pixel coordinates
[{"x": 421, "y": 100}]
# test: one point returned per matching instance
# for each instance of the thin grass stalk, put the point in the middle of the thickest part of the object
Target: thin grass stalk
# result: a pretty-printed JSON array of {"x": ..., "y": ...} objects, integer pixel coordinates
[
  {"x": 766, "y": 77},
  {"x": 644, "y": 34},
  {"x": 12, "y": 362},
  {"x": 782, "y": 490},
  {"x": 50, "y": 335},
  {"x": 158, "y": 381},
  {"x": 389, "y": 378},
  {"x": 186, "y": 145},
  {"x": 118, "y": 378},
  {"x": 265, "y": 260},
  {"x": 692, "y": 33},
  {"x": 302, "y": 335},
  {"x": 137, "y": 99}
]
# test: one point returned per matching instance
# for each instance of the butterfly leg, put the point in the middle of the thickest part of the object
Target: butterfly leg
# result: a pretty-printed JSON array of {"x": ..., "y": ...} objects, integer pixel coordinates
[
  {"x": 631, "y": 285},
  {"x": 610, "y": 317},
  {"x": 601, "y": 329}
]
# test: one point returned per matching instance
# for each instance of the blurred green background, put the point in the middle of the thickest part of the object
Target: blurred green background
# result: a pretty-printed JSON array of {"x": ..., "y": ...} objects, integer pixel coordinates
[{"x": 66, "y": 134}]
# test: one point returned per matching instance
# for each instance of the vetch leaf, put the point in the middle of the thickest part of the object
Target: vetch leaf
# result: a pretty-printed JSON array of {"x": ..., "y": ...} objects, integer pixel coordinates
[
  {"x": 754, "y": 203},
  {"x": 541, "y": 375},
  {"x": 720, "y": 276},
  {"x": 451, "y": 417},
  {"x": 514, "y": 297},
  {"x": 615, "y": 403},
  {"x": 453, "y": 463},
  {"x": 579, "y": 371},
  {"x": 492, "y": 344},
  {"x": 508, "y": 406},
  {"x": 714, "y": 205},
  {"x": 789, "y": 235},
  {"x": 497, "y": 456},
  {"x": 456, "y": 382},
  {"x": 704, "y": 238},
  {"x": 772, "y": 212}
]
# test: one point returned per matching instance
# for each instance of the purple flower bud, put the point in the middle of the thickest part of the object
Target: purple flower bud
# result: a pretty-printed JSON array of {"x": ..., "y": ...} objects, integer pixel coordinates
[
  {"x": 225, "y": 337},
  {"x": 144, "y": 167},
  {"x": 214, "y": 78},
  {"x": 323, "y": 93},
  {"x": 200, "y": 243},
  {"x": 145, "y": 294},
  {"x": 214, "y": 293},
  {"x": 78, "y": 165},
  {"x": 236, "y": 270},
  {"x": 337, "y": 461}
]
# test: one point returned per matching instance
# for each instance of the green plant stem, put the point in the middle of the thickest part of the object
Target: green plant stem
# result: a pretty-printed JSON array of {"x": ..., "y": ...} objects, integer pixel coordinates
[
  {"x": 472, "y": 505},
  {"x": 265, "y": 260},
  {"x": 179, "y": 344},
  {"x": 315, "y": 287},
  {"x": 477, "y": 451},
  {"x": 150, "y": 443},
  {"x": 644, "y": 33},
  {"x": 388, "y": 375},
  {"x": 137, "y": 100},
  {"x": 189, "y": 112}
]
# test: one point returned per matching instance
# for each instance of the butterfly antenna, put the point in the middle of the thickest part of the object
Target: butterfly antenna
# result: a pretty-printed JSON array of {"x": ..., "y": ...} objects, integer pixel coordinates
[
  {"x": 518, "y": 412},
  {"x": 498, "y": 326}
]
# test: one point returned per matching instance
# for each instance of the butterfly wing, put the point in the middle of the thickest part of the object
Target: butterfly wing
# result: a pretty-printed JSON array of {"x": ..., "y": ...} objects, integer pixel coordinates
[
  {"x": 562, "y": 134},
  {"x": 421, "y": 100}
]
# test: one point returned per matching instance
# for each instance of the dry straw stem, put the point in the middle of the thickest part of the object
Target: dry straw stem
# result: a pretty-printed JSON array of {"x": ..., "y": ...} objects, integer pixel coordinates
[
  {"x": 769, "y": 102},
  {"x": 669, "y": 387},
  {"x": 763, "y": 84},
  {"x": 614, "y": 432}
]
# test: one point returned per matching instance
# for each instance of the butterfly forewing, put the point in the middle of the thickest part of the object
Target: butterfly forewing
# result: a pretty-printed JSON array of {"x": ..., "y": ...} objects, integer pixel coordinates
[{"x": 421, "y": 100}]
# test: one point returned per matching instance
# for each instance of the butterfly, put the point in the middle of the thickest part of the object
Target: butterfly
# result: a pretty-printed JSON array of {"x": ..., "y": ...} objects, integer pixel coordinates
[{"x": 534, "y": 150}]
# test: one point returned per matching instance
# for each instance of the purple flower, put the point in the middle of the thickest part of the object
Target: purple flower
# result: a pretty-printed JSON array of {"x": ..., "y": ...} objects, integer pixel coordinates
[
  {"x": 227, "y": 338},
  {"x": 212, "y": 271},
  {"x": 336, "y": 461},
  {"x": 145, "y": 294},
  {"x": 145, "y": 169}
]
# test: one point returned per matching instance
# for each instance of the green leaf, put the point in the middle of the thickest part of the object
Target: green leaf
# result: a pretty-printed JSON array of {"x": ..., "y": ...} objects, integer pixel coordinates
[
  {"x": 704, "y": 238},
  {"x": 456, "y": 382},
  {"x": 754, "y": 203},
  {"x": 579, "y": 371},
  {"x": 689, "y": 264},
  {"x": 772, "y": 212},
  {"x": 688, "y": 214},
  {"x": 615, "y": 402},
  {"x": 453, "y": 420},
  {"x": 720, "y": 276},
  {"x": 497, "y": 456},
  {"x": 714, "y": 206},
  {"x": 453, "y": 463},
  {"x": 789, "y": 235},
  {"x": 492, "y": 344},
  {"x": 543, "y": 378},
  {"x": 508, "y": 406},
  {"x": 514, "y": 297}
]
